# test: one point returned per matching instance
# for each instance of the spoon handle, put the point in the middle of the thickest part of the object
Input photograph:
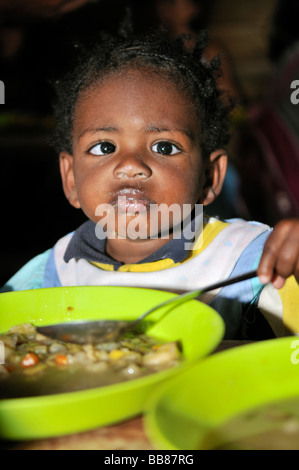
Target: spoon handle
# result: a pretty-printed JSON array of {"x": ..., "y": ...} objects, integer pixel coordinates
[
  {"x": 195, "y": 293},
  {"x": 228, "y": 282}
]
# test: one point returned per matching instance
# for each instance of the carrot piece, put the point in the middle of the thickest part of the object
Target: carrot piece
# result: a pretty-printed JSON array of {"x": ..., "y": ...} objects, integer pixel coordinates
[
  {"x": 29, "y": 360},
  {"x": 61, "y": 359}
]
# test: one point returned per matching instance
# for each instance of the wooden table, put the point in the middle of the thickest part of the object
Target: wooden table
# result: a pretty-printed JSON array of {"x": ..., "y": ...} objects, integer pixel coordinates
[{"x": 128, "y": 435}]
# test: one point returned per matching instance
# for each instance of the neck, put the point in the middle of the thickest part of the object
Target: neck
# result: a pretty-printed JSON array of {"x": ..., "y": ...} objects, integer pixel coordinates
[{"x": 132, "y": 251}]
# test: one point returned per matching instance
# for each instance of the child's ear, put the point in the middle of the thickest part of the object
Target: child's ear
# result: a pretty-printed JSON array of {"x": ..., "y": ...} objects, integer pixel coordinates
[
  {"x": 215, "y": 175},
  {"x": 66, "y": 163}
]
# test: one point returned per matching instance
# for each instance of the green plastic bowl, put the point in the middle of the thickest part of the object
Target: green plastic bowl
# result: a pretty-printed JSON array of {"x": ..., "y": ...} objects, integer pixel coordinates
[
  {"x": 197, "y": 326},
  {"x": 193, "y": 410}
]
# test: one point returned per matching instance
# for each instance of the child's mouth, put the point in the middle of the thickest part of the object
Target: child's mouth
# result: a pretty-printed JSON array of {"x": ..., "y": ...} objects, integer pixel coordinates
[
  {"x": 131, "y": 201},
  {"x": 131, "y": 206}
]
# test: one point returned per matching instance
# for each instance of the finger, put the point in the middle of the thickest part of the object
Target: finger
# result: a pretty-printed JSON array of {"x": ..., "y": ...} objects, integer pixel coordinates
[
  {"x": 277, "y": 251},
  {"x": 288, "y": 254},
  {"x": 278, "y": 281}
]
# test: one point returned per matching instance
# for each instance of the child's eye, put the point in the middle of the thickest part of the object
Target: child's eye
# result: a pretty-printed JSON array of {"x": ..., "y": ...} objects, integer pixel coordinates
[
  {"x": 103, "y": 148},
  {"x": 165, "y": 148}
]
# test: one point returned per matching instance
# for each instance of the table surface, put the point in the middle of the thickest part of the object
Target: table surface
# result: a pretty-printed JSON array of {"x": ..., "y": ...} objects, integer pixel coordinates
[{"x": 127, "y": 435}]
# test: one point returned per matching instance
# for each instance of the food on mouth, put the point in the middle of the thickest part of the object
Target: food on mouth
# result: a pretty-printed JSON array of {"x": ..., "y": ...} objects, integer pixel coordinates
[{"x": 38, "y": 365}]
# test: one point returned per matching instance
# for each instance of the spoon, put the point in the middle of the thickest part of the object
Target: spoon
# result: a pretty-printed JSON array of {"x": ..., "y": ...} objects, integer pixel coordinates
[{"x": 100, "y": 331}]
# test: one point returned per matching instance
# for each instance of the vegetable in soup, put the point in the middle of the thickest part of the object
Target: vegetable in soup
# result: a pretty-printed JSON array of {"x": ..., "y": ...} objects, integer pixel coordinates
[{"x": 38, "y": 365}]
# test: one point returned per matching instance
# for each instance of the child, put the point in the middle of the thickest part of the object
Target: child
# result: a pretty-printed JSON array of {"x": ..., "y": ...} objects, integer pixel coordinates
[{"x": 142, "y": 126}]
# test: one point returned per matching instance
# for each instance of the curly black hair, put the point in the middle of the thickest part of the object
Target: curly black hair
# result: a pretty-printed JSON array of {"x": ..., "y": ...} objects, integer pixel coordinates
[{"x": 184, "y": 67}]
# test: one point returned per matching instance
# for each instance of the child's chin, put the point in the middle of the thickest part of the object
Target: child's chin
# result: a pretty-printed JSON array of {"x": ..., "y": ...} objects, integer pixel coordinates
[{"x": 137, "y": 227}]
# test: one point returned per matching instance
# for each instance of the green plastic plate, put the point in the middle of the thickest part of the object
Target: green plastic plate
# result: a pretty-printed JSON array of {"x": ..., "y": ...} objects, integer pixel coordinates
[
  {"x": 193, "y": 410},
  {"x": 197, "y": 326}
]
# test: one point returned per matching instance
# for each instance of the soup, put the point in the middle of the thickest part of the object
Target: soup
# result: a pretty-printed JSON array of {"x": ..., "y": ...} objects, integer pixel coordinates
[
  {"x": 38, "y": 365},
  {"x": 269, "y": 427}
]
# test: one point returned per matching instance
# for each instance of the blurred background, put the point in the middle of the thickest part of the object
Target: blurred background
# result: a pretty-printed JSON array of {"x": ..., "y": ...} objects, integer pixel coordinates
[{"x": 258, "y": 44}]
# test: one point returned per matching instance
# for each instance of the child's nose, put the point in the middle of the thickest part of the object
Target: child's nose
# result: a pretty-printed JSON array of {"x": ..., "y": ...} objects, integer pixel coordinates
[{"x": 132, "y": 166}]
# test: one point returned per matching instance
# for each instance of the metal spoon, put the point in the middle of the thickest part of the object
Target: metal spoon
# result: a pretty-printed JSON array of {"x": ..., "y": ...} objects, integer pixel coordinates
[{"x": 100, "y": 331}]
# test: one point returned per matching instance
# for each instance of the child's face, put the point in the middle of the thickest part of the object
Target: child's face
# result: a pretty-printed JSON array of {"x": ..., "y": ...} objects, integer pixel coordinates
[{"x": 134, "y": 136}]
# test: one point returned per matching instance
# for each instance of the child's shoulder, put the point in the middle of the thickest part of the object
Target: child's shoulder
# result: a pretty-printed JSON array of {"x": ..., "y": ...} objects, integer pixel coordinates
[
  {"x": 231, "y": 232},
  {"x": 30, "y": 276},
  {"x": 235, "y": 222}
]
